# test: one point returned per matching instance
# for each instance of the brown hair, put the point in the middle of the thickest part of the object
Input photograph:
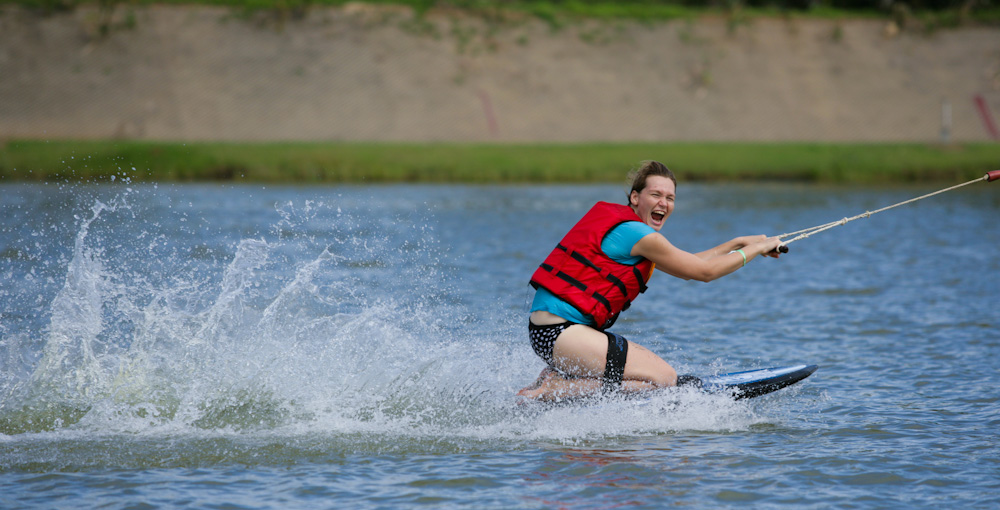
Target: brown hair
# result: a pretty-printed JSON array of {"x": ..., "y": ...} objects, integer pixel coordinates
[{"x": 637, "y": 177}]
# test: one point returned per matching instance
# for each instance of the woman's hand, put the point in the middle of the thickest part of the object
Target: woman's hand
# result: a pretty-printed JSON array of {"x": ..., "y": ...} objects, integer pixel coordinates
[
  {"x": 755, "y": 245},
  {"x": 744, "y": 241},
  {"x": 767, "y": 245}
]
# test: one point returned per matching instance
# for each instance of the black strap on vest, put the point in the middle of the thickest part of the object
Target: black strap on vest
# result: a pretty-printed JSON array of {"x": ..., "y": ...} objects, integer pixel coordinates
[
  {"x": 610, "y": 277},
  {"x": 617, "y": 283},
  {"x": 572, "y": 281},
  {"x": 640, "y": 278}
]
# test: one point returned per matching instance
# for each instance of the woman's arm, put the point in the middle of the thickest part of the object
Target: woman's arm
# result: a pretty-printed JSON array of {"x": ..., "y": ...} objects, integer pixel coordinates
[
  {"x": 730, "y": 246},
  {"x": 707, "y": 265}
]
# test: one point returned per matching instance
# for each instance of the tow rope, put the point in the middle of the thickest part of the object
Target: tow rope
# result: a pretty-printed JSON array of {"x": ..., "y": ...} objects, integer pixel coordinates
[{"x": 805, "y": 233}]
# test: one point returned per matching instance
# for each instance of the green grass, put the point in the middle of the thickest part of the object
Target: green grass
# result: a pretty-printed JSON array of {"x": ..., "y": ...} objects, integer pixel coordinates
[
  {"x": 487, "y": 163},
  {"x": 556, "y": 12}
]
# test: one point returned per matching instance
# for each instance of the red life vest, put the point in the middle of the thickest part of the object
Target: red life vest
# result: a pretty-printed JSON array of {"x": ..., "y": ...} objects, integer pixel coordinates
[{"x": 581, "y": 274}]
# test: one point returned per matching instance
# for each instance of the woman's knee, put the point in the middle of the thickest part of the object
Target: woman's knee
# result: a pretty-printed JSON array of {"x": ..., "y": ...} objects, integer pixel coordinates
[
  {"x": 666, "y": 376},
  {"x": 644, "y": 365}
]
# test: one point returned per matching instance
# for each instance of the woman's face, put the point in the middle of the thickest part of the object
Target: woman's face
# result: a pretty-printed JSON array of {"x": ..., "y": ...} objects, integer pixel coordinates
[{"x": 655, "y": 202}]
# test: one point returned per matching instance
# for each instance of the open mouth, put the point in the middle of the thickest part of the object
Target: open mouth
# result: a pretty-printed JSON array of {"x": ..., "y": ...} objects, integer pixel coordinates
[{"x": 658, "y": 216}]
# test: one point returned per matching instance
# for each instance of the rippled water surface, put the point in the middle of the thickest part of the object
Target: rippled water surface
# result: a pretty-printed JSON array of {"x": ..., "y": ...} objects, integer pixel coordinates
[{"x": 296, "y": 347}]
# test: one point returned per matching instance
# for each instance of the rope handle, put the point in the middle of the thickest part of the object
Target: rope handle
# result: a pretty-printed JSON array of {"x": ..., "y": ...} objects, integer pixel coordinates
[{"x": 992, "y": 175}]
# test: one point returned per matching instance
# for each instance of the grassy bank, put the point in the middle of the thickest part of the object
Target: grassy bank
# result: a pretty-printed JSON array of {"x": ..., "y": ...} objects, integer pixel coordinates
[
  {"x": 494, "y": 163},
  {"x": 556, "y": 12}
]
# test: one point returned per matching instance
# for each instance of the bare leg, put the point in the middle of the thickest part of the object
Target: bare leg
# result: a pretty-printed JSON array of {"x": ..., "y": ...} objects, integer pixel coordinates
[
  {"x": 555, "y": 387},
  {"x": 581, "y": 351},
  {"x": 546, "y": 373}
]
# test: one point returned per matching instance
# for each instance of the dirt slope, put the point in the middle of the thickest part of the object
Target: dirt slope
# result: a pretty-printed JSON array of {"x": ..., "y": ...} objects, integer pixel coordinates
[{"x": 358, "y": 73}]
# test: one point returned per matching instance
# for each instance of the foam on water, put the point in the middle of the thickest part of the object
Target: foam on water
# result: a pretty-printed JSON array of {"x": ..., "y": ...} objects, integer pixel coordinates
[{"x": 333, "y": 321}]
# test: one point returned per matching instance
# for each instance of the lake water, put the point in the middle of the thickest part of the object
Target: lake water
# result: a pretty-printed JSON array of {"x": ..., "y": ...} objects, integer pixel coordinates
[{"x": 219, "y": 346}]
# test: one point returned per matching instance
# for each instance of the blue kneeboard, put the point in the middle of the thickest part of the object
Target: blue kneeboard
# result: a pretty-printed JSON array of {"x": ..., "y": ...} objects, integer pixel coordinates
[
  {"x": 754, "y": 383},
  {"x": 736, "y": 385}
]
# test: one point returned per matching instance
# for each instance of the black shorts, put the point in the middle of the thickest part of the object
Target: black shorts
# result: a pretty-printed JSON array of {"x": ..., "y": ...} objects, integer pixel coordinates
[{"x": 543, "y": 338}]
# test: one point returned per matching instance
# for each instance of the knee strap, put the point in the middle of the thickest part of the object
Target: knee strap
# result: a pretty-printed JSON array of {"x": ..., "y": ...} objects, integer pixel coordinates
[{"x": 614, "y": 367}]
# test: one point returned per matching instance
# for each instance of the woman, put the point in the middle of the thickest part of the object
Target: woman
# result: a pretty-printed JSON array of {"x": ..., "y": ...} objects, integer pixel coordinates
[{"x": 596, "y": 271}]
